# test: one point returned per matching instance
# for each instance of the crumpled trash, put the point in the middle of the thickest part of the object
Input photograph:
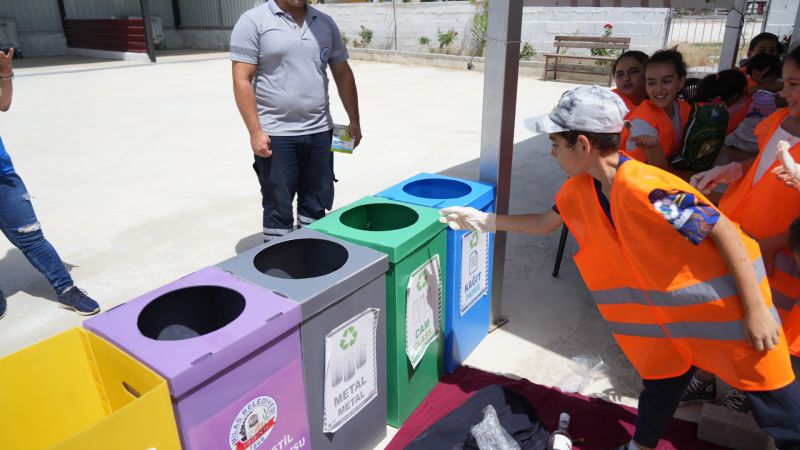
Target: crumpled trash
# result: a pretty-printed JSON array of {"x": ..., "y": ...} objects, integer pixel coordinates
[
  {"x": 583, "y": 371},
  {"x": 490, "y": 435}
]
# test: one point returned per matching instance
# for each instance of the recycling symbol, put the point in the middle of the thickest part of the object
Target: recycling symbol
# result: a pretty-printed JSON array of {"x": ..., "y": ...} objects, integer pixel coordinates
[
  {"x": 344, "y": 343},
  {"x": 422, "y": 282},
  {"x": 473, "y": 241}
]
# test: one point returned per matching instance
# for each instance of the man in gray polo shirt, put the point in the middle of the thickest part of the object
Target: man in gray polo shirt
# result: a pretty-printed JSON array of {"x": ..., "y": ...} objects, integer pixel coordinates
[{"x": 281, "y": 51}]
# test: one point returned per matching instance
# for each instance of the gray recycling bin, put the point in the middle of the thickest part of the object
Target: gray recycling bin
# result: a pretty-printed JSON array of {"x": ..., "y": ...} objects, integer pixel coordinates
[{"x": 341, "y": 290}]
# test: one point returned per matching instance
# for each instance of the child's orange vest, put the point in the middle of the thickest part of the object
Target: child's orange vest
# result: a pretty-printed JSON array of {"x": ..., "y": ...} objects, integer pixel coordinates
[
  {"x": 767, "y": 209},
  {"x": 670, "y": 304},
  {"x": 628, "y": 102},
  {"x": 658, "y": 119}
]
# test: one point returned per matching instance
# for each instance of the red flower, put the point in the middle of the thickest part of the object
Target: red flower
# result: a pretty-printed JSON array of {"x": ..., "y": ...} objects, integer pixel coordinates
[
  {"x": 455, "y": 33},
  {"x": 608, "y": 26}
]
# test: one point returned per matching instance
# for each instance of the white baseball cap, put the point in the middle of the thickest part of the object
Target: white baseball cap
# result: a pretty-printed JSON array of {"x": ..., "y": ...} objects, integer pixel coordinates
[{"x": 593, "y": 109}]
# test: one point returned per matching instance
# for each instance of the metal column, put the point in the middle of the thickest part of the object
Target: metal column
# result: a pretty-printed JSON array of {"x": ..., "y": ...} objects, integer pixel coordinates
[
  {"x": 497, "y": 130},
  {"x": 733, "y": 34},
  {"x": 795, "y": 31},
  {"x": 148, "y": 29}
]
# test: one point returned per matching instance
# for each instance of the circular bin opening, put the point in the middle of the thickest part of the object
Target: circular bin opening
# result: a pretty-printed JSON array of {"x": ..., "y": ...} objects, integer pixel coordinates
[
  {"x": 301, "y": 258},
  {"x": 437, "y": 188},
  {"x": 379, "y": 217},
  {"x": 190, "y": 312}
]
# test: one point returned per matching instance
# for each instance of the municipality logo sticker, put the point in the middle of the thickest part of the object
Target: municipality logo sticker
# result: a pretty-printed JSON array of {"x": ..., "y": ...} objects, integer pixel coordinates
[
  {"x": 325, "y": 54},
  {"x": 254, "y": 423}
]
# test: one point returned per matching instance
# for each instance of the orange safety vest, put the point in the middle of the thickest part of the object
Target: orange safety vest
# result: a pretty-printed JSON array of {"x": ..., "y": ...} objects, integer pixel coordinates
[
  {"x": 767, "y": 209},
  {"x": 628, "y": 102},
  {"x": 658, "y": 119},
  {"x": 670, "y": 304}
]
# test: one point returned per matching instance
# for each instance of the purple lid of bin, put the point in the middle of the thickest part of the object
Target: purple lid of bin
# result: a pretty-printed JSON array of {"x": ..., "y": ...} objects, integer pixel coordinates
[{"x": 189, "y": 361}]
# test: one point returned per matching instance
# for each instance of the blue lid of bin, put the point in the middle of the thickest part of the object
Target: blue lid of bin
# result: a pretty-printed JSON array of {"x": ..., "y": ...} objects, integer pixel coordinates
[
  {"x": 309, "y": 267},
  {"x": 198, "y": 326},
  {"x": 438, "y": 191}
]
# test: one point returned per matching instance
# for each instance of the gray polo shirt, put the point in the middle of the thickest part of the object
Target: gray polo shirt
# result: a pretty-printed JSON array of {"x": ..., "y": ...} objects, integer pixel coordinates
[{"x": 291, "y": 82}]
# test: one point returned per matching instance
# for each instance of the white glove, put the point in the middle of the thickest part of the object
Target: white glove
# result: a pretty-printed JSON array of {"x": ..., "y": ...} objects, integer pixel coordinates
[
  {"x": 466, "y": 218},
  {"x": 786, "y": 158},
  {"x": 706, "y": 181}
]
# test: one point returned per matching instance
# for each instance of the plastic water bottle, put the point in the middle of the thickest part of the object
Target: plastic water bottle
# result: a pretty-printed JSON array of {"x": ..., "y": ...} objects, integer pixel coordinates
[
  {"x": 560, "y": 439},
  {"x": 762, "y": 104}
]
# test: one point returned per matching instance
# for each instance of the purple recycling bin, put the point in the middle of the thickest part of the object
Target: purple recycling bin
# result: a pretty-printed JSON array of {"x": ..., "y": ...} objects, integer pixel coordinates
[{"x": 230, "y": 352}]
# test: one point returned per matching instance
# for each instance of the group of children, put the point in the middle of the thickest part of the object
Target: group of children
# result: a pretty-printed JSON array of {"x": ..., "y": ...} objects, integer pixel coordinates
[{"x": 691, "y": 289}]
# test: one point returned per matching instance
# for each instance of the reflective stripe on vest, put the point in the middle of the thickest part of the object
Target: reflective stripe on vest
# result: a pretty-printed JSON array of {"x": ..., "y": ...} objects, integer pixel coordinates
[
  {"x": 702, "y": 292},
  {"x": 782, "y": 301},
  {"x": 719, "y": 331},
  {"x": 785, "y": 264}
]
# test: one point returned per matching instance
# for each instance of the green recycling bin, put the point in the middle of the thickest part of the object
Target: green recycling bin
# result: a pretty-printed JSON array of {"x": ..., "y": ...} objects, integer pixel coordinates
[{"x": 416, "y": 244}]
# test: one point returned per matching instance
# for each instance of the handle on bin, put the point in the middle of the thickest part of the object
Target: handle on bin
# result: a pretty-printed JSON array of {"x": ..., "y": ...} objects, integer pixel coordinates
[
  {"x": 201, "y": 358},
  {"x": 131, "y": 390}
]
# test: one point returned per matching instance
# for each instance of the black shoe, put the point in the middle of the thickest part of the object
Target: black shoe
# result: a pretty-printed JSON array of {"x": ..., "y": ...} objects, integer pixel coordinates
[
  {"x": 3, "y": 304},
  {"x": 77, "y": 300},
  {"x": 700, "y": 390},
  {"x": 736, "y": 401}
]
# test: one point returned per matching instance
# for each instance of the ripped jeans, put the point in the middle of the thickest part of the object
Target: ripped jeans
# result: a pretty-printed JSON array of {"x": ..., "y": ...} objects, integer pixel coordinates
[{"x": 19, "y": 224}]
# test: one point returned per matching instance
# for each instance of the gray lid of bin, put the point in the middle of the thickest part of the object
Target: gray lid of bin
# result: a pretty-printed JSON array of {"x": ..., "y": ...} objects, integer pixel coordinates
[{"x": 309, "y": 267}]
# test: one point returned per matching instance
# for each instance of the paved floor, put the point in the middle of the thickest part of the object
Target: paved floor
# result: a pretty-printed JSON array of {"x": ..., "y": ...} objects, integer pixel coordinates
[{"x": 141, "y": 174}]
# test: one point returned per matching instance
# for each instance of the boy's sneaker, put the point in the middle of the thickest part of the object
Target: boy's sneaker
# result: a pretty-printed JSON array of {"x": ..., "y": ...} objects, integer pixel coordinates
[
  {"x": 700, "y": 390},
  {"x": 77, "y": 300},
  {"x": 3, "y": 304},
  {"x": 736, "y": 401}
]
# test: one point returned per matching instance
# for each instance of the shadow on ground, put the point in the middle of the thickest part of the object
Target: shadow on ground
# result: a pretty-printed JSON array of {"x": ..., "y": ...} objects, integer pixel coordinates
[
  {"x": 18, "y": 275},
  {"x": 248, "y": 242}
]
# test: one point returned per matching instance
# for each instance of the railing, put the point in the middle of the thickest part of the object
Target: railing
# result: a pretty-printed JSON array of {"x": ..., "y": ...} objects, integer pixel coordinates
[{"x": 699, "y": 33}]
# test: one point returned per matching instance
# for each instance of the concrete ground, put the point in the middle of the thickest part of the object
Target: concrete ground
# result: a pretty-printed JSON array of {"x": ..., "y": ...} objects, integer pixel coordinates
[{"x": 141, "y": 174}]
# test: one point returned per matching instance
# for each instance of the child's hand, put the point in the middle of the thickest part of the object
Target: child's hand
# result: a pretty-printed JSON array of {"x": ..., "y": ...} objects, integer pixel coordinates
[
  {"x": 708, "y": 180},
  {"x": 466, "y": 218},
  {"x": 788, "y": 179},
  {"x": 761, "y": 330},
  {"x": 645, "y": 141},
  {"x": 5, "y": 63}
]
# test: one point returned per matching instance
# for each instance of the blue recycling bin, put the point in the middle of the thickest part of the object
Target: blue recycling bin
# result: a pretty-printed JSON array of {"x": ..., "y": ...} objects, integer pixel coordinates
[{"x": 469, "y": 259}]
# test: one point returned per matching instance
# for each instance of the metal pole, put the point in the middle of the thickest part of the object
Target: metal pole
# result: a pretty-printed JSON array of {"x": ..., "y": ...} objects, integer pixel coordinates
[
  {"x": 667, "y": 28},
  {"x": 796, "y": 34},
  {"x": 500, "y": 79},
  {"x": 176, "y": 14},
  {"x": 394, "y": 13},
  {"x": 765, "y": 16},
  {"x": 733, "y": 33},
  {"x": 148, "y": 32}
]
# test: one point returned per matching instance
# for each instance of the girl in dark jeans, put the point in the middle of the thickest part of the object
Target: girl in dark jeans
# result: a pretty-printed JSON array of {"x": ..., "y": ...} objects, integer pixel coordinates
[{"x": 19, "y": 224}]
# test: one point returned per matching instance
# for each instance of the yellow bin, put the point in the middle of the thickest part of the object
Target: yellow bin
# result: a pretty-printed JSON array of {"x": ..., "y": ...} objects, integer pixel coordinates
[{"x": 75, "y": 391}]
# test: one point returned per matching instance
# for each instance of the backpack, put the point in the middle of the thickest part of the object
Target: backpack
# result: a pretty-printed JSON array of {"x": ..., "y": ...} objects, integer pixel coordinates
[{"x": 702, "y": 138}]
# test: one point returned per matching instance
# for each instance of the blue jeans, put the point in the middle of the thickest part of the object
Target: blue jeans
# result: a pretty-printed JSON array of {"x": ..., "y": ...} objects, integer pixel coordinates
[
  {"x": 19, "y": 224},
  {"x": 299, "y": 165},
  {"x": 777, "y": 412}
]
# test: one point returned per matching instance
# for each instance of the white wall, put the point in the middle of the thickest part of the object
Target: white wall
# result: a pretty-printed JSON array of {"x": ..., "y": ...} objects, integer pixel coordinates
[
  {"x": 40, "y": 29},
  {"x": 781, "y": 17},
  {"x": 645, "y": 26}
]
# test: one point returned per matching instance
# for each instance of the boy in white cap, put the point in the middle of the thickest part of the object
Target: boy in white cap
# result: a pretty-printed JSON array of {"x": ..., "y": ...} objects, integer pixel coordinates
[{"x": 679, "y": 285}]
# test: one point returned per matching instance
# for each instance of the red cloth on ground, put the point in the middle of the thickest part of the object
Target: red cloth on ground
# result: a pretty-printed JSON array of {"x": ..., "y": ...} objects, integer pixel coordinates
[{"x": 600, "y": 423}]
